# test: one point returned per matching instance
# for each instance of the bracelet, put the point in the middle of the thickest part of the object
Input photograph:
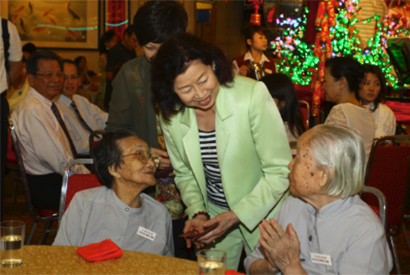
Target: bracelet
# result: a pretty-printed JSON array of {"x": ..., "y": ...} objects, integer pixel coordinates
[{"x": 201, "y": 213}]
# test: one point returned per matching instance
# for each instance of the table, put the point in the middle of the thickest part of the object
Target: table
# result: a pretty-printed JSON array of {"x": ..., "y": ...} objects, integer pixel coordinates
[{"x": 42, "y": 259}]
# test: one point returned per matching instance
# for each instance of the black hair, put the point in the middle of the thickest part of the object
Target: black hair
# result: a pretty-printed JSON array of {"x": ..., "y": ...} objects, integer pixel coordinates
[
  {"x": 108, "y": 153},
  {"x": 348, "y": 68},
  {"x": 372, "y": 69},
  {"x": 249, "y": 31},
  {"x": 174, "y": 58},
  {"x": 156, "y": 21},
  {"x": 29, "y": 48},
  {"x": 32, "y": 62},
  {"x": 69, "y": 61},
  {"x": 129, "y": 30},
  {"x": 280, "y": 86},
  {"x": 78, "y": 59},
  {"x": 105, "y": 38}
]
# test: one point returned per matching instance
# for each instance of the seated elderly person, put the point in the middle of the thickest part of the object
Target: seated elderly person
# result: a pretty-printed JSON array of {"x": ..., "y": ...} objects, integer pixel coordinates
[
  {"x": 119, "y": 210},
  {"x": 329, "y": 229}
]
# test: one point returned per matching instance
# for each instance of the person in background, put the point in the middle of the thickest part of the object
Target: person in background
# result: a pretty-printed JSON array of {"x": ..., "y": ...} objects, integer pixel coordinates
[
  {"x": 10, "y": 69},
  {"x": 256, "y": 44},
  {"x": 132, "y": 105},
  {"x": 80, "y": 116},
  {"x": 119, "y": 211},
  {"x": 324, "y": 227},
  {"x": 371, "y": 96},
  {"x": 19, "y": 87},
  {"x": 342, "y": 79},
  {"x": 28, "y": 49},
  {"x": 46, "y": 145},
  {"x": 122, "y": 52},
  {"x": 226, "y": 142},
  {"x": 86, "y": 76},
  {"x": 107, "y": 41},
  {"x": 283, "y": 92}
]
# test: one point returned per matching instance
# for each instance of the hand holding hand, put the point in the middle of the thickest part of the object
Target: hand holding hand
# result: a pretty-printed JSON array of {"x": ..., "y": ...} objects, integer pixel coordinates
[
  {"x": 243, "y": 70},
  {"x": 195, "y": 224},
  {"x": 225, "y": 220}
]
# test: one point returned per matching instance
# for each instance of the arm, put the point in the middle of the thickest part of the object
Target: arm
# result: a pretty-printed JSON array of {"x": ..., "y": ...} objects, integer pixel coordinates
[
  {"x": 235, "y": 67},
  {"x": 99, "y": 115},
  {"x": 120, "y": 109},
  {"x": 15, "y": 70},
  {"x": 15, "y": 52},
  {"x": 170, "y": 239},
  {"x": 272, "y": 146},
  {"x": 256, "y": 263}
]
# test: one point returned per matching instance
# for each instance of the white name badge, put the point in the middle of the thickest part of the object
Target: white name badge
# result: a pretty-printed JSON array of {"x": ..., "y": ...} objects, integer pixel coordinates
[
  {"x": 321, "y": 259},
  {"x": 148, "y": 234},
  {"x": 268, "y": 71}
]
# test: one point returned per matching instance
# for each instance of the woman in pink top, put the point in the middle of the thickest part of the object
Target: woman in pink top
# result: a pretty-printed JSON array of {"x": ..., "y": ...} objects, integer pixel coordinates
[{"x": 343, "y": 76}]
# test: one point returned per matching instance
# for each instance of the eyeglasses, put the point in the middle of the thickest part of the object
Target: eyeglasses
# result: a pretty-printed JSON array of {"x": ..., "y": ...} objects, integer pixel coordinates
[
  {"x": 71, "y": 77},
  {"x": 144, "y": 156},
  {"x": 50, "y": 75}
]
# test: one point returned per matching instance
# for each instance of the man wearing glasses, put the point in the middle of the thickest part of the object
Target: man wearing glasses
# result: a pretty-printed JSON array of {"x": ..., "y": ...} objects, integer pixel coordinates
[
  {"x": 45, "y": 143},
  {"x": 80, "y": 115}
]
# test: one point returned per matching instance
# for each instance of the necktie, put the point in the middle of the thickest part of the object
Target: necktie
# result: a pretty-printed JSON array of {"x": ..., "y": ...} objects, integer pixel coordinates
[
  {"x": 80, "y": 118},
  {"x": 60, "y": 120}
]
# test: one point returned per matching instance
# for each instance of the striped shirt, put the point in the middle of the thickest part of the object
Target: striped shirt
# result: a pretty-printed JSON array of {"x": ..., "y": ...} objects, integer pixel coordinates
[
  {"x": 369, "y": 9},
  {"x": 215, "y": 191}
]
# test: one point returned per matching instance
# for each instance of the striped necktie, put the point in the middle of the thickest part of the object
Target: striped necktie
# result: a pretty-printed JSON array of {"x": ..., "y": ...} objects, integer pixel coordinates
[
  {"x": 80, "y": 118},
  {"x": 60, "y": 120}
]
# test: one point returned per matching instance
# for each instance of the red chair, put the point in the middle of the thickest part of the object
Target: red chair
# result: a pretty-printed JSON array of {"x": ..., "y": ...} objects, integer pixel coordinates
[
  {"x": 39, "y": 215},
  {"x": 75, "y": 183},
  {"x": 305, "y": 110},
  {"x": 388, "y": 169}
]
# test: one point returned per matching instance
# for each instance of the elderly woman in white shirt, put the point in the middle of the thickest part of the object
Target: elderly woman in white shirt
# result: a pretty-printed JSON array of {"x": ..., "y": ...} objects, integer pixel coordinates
[
  {"x": 119, "y": 210},
  {"x": 324, "y": 228},
  {"x": 371, "y": 94}
]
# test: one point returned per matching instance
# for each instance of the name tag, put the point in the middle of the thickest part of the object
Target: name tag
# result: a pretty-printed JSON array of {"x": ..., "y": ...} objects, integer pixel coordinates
[
  {"x": 148, "y": 234},
  {"x": 268, "y": 71},
  {"x": 321, "y": 259}
]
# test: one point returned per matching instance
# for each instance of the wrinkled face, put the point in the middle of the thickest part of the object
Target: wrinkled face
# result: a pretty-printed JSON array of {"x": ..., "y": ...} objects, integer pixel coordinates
[
  {"x": 304, "y": 177},
  {"x": 150, "y": 50},
  {"x": 48, "y": 79},
  {"x": 370, "y": 88},
  {"x": 71, "y": 80},
  {"x": 133, "y": 170},
  {"x": 259, "y": 42},
  {"x": 111, "y": 43},
  {"x": 331, "y": 87},
  {"x": 198, "y": 86}
]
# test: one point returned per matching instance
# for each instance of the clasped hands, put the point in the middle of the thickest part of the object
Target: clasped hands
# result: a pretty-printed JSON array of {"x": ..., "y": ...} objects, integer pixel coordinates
[
  {"x": 281, "y": 248},
  {"x": 224, "y": 220}
]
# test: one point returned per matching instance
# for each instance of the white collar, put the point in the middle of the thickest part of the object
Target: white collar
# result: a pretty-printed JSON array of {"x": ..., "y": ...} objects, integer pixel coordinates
[
  {"x": 248, "y": 56},
  {"x": 63, "y": 99}
]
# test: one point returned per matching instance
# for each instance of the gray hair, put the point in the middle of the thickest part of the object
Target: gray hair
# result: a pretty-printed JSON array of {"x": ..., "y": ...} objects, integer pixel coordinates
[{"x": 339, "y": 148}]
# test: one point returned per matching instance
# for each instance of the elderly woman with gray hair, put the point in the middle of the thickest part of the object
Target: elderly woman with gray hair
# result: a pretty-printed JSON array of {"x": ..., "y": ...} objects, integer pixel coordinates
[{"x": 324, "y": 228}]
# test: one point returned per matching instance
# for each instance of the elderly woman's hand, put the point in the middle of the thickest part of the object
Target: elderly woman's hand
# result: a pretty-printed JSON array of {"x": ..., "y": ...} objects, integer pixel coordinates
[
  {"x": 195, "y": 224},
  {"x": 224, "y": 220},
  {"x": 282, "y": 248}
]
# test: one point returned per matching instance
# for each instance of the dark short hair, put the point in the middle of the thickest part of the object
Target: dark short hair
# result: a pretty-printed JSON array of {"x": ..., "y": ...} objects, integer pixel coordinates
[
  {"x": 129, "y": 30},
  {"x": 69, "y": 61},
  {"x": 280, "y": 86},
  {"x": 174, "y": 58},
  {"x": 32, "y": 62},
  {"x": 249, "y": 31},
  {"x": 78, "y": 59},
  {"x": 372, "y": 69},
  {"x": 108, "y": 153},
  {"x": 346, "y": 67},
  {"x": 105, "y": 38},
  {"x": 29, "y": 48},
  {"x": 156, "y": 21}
]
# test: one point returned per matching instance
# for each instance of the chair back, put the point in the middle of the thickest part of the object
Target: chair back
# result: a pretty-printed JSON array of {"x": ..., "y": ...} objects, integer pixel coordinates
[
  {"x": 305, "y": 110},
  {"x": 75, "y": 183},
  {"x": 381, "y": 210},
  {"x": 388, "y": 170}
]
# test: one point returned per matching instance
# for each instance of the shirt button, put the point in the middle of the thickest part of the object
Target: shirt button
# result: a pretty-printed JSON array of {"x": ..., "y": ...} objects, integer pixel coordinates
[
  {"x": 120, "y": 238},
  {"x": 127, "y": 209},
  {"x": 310, "y": 238}
]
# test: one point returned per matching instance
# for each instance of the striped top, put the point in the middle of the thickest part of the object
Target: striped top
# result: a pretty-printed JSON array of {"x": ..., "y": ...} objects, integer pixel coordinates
[
  {"x": 215, "y": 191},
  {"x": 369, "y": 9}
]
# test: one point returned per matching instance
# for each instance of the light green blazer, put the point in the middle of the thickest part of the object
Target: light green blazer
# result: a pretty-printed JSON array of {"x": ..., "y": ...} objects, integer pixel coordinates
[{"x": 252, "y": 147}]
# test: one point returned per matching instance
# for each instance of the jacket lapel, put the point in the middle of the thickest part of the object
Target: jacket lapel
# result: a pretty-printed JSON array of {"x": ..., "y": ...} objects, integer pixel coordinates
[
  {"x": 190, "y": 141},
  {"x": 223, "y": 111}
]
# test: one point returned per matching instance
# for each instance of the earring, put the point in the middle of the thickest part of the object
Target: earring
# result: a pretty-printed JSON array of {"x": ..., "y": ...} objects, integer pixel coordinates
[{"x": 214, "y": 67}]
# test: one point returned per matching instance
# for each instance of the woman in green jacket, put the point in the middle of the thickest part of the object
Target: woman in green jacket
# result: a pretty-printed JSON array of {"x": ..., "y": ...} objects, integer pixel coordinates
[{"x": 226, "y": 142}]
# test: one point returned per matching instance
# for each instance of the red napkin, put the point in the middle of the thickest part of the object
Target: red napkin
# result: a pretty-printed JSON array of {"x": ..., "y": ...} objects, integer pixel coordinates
[
  {"x": 100, "y": 251},
  {"x": 232, "y": 272}
]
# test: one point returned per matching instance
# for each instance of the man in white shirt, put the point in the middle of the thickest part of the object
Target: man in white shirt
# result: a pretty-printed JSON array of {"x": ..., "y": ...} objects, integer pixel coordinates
[
  {"x": 45, "y": 143},
  {"x": 10, "y": 56},
  {"x": 80, "y": 116}
]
